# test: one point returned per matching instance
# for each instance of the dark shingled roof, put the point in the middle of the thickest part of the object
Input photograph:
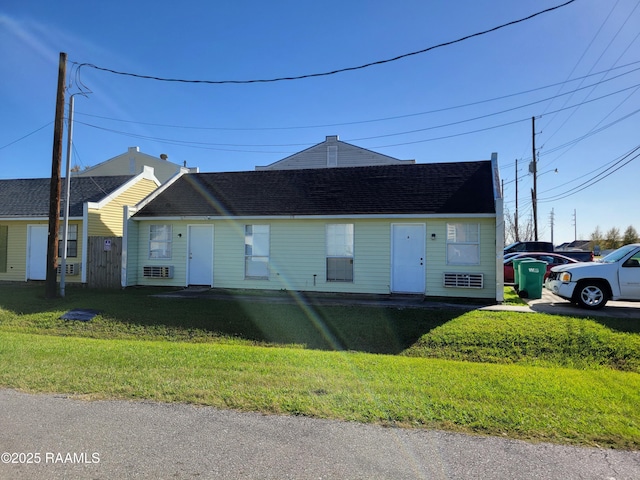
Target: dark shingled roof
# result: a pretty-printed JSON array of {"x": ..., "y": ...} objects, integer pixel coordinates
[
  {"x": 30, "y": 197},
  {"x": 428, "y": 188}
]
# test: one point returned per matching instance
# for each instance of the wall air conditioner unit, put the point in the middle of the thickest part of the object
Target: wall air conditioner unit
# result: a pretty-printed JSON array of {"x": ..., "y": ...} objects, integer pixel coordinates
[
  {"x": 153, "y": 271},
  {"x": 464, "y": 280},
  {"x": 71, "y": 269}
]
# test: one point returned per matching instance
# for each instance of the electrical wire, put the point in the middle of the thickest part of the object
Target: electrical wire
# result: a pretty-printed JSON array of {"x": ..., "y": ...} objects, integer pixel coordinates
[
  {"x": 584, "y": 53},
  {"x": 595, "y": 63},
  {"x": 332, "y": 72},
  {"x": 25, "y": 136},
  {"x": 185, "y": 143},
  {"x": 394, "y": 117},
  {"x": 596, "y": 179},
  {"x": 207, "y": 144}
]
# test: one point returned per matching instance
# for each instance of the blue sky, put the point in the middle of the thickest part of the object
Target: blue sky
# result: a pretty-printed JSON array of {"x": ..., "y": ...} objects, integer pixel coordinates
[{"x": 576, "y": 69}]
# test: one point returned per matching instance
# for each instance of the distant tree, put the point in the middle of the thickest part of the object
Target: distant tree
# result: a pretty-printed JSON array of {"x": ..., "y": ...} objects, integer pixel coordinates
[
  {"x": 612, "y": 238},
  {"x": 597, "y": 239},
  {"x": 509, "y": 227},
  {"x": 630, "y": 236},
  {"x": 525, "y": 228}
]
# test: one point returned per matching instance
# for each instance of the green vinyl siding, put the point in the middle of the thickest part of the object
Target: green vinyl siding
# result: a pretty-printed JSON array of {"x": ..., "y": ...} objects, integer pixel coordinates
[
  {"x": 4, "y": 234},
  {"x": 436, "y": 258},
  {"x": 297, "y": 256}
]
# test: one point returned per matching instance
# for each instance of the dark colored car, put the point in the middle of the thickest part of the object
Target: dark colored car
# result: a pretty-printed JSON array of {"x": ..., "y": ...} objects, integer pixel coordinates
[
  {"x": 529, "y": 247},
  {"x": 552, "y": 259}
]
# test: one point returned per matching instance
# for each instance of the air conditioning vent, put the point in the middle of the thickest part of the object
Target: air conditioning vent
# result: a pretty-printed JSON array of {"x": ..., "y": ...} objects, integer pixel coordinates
[
  {"x": 464, "y": 280},
  {"x": 152, "y": 271},
  {"x": 71, "y": 269}
]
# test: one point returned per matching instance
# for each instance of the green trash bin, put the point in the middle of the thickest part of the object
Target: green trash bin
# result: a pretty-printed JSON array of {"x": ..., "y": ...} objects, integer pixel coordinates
[
  {"x": 516, "y": 271},
  {"x": 531, "y": 278}
]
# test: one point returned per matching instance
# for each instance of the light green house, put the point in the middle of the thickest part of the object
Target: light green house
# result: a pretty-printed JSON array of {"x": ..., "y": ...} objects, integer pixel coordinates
[{"x": 429, "y": 229}]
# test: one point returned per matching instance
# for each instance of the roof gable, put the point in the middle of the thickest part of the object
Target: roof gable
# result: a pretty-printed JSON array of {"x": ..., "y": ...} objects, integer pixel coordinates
[
  {"x": 436, "y": 188},
  {"x": 134, "y": 162},
  {"x": 30, "y": 197},
  {"x": 343, "y": 154}
]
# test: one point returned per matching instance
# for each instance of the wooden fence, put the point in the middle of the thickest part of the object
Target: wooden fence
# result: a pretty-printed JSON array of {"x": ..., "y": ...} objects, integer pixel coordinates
[{"x": 104, "y": 257}]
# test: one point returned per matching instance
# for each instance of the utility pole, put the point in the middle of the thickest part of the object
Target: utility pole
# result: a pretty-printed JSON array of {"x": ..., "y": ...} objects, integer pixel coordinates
[
  {"x": 67, "y": 199},
  {"x": 54, "y": 191},
  {"x": 533, "y": 168},
  {"x": 551, "y": 220},
  {"x": 516, "y": 217},
  {"x": 575, "y": 226}
]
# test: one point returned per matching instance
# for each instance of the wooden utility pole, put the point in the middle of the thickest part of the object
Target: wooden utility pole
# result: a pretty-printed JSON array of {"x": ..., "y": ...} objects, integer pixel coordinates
[
  {"x": 54, "y": 191},
  {"x": 534, "y": 170},
  {"x": 517, "y": 213}
]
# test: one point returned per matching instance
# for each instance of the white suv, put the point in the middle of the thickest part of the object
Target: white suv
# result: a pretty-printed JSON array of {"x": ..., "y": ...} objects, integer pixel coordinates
[{"x": 592, "y": 284}]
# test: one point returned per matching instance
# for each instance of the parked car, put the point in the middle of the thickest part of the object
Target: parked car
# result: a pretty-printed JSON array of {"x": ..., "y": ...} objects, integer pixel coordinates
[
  {"x": 529, "y": 246},
  {"x": 552, "y": 260},
  {"x": 579, "y": 255},
  {"x": 592, "y": 284}
]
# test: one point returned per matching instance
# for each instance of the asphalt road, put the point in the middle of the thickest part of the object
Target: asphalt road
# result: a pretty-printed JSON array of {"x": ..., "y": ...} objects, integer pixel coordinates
[{"x": 67, "y": 438}]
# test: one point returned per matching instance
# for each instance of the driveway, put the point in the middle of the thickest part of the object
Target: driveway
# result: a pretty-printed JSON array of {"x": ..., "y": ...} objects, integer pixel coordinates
[
  {"x": 550, "y": 303},
  {"x": 76, "y": 439}
]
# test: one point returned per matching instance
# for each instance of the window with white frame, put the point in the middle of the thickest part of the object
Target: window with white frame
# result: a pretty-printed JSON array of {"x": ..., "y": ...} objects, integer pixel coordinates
[
  {"x": 340, "y": 252},
  {"x": 72, "y": 241},
  {"x": 463, "y": 244},
  {"x": 256, "y": 251},
  {"x": 160, "y": 238}
]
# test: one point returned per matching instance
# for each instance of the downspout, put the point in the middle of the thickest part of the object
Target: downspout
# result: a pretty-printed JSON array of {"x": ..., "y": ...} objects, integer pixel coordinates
[
  {"x": 128, "y": 213},
  {"x": 85, "y": 240}
]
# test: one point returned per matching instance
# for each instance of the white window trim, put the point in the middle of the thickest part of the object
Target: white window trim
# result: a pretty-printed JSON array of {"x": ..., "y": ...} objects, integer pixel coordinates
[
  {"x": 247, "y": 257},
  {"x": 464, "y": 244},
  {"x": 169, "y": 242},
  {"x": 349, "y": 256}
]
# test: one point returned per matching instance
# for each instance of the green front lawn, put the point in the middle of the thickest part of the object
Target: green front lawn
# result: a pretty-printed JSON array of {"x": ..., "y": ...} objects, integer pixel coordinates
[{"x": 532, "y": 376}]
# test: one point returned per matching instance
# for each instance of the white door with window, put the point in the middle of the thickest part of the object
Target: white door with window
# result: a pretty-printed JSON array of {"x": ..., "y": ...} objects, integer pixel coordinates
[
  {"x": 37, "y": 236},
  {"x": 408, "y": 258},
  {"x": 200, "y": 262}
]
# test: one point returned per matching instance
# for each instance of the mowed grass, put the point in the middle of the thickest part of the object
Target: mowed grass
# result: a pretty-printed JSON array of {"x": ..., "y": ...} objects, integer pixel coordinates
[{"x": 530, "y": 376}]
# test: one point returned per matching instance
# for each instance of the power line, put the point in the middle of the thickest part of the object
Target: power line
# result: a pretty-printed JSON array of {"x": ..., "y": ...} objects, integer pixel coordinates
[
  {"x": 25, "y": 136},
  {"x": 596, "y": 179},
  {"x": 415, "y": 114},
  {"x": 188, "y": 143},
  {"x": 595, "y": 63},
  {"x": 333, "y": 72},
  {"x": 434, "y": 127}
]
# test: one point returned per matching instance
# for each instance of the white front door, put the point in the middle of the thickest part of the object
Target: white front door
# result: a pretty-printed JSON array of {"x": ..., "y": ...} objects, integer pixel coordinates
[
  {"x": 407, "y": 258},
  {"x": 37, "y": 236},
  {"x": 200, "y": 263}
]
